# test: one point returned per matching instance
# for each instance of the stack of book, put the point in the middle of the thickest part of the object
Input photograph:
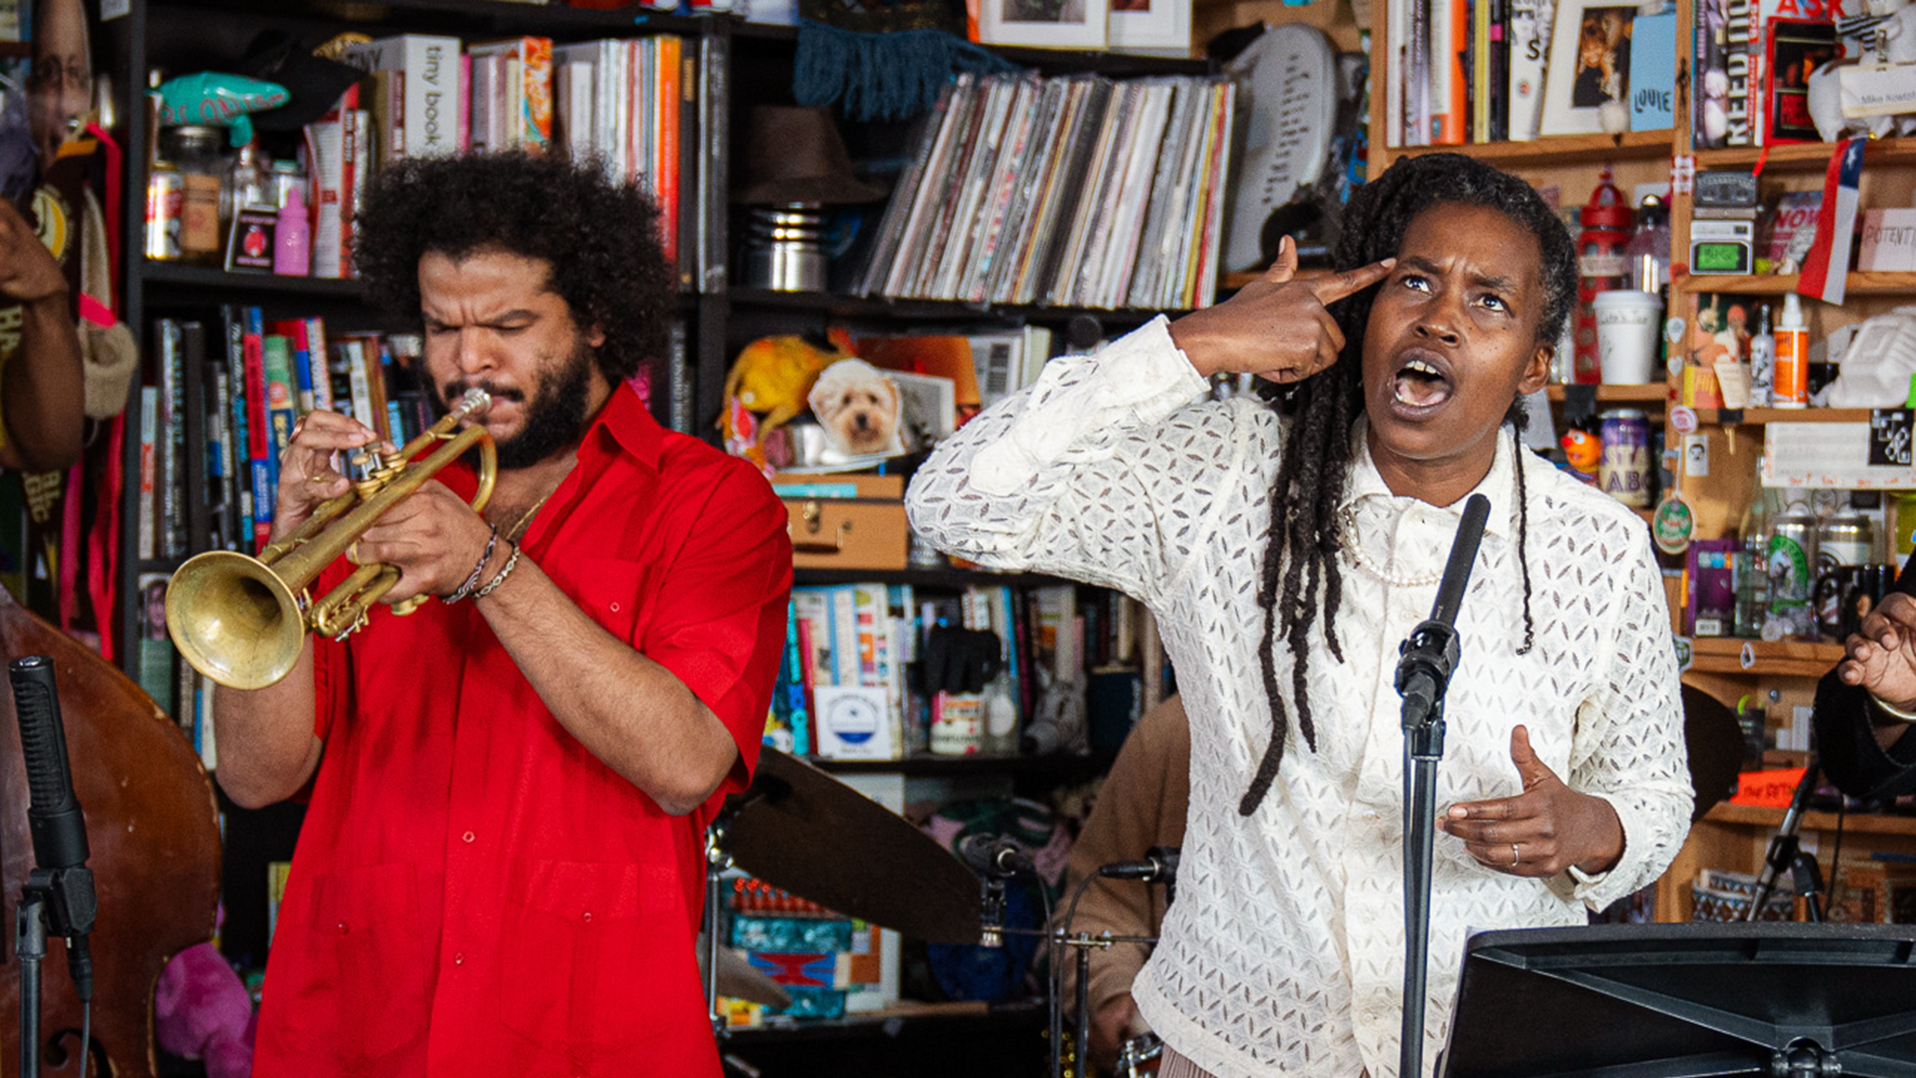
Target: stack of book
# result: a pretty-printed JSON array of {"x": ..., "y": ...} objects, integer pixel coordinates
[
  {"x": 633, "y": 103},
  {"x": 1076, "y": 191}
]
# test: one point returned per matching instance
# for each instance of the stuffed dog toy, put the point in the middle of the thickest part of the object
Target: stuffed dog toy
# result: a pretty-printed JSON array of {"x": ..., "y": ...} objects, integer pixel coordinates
[{"x": 858, "y": 407}]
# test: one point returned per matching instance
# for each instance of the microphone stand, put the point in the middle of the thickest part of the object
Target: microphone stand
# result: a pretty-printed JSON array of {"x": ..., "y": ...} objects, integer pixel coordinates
[
  {"x": 1428, "y": 659},
  {"x": 1786, "y": 855}
]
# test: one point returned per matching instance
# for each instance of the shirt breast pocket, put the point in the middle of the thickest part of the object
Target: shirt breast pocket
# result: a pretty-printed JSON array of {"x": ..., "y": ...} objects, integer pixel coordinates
[
  {"x": 610, "y": 591},
  {"x": 366, "y": 922}
]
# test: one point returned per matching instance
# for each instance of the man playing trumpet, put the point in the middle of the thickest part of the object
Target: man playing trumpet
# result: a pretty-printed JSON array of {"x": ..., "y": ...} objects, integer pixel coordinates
[{"x": 501, "y": 866}]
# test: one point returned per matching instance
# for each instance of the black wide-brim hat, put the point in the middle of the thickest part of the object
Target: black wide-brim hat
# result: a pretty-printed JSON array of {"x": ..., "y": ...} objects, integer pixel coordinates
[{"x": 795, "y": 154}]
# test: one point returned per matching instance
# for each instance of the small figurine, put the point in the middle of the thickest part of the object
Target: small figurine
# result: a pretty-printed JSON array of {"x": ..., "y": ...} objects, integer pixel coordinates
[
  {"x": 1582, "y": 450},
  {"x": 766, "y": 388}
]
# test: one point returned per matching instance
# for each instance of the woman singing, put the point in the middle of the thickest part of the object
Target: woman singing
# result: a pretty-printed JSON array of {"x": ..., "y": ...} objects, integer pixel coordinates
[{"x": 1286, "y": 547}]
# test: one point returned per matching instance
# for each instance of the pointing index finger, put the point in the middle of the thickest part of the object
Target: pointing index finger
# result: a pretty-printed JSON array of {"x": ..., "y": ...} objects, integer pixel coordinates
[{"x": 1338, "y": 285}]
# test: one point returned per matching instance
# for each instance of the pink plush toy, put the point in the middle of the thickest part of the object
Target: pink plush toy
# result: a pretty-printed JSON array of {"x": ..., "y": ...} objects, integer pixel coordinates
[{"x": 202, "y": 1011}]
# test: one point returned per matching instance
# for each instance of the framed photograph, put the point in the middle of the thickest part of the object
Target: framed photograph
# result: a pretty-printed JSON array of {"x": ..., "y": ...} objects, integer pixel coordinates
[
  {"x": 1046, "y": 24},
  {"x": 1154, "y": 27},
  {"x": 1589, "y": 65}
]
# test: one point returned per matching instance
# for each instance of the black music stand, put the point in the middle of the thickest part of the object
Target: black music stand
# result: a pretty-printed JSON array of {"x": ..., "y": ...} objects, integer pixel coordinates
[{"x": 1687, "y": 1001}]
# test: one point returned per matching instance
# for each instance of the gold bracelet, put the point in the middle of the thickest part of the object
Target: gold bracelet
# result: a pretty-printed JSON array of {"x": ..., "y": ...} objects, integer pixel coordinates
[
  {"x": 503, "y": 574},
  {"x": 1892, "y": 712}
]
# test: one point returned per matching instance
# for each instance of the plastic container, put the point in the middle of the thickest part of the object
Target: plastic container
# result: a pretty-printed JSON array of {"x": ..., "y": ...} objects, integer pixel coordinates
[
  {"x": 1791, "y": 388},
  {"x": 1628, "y": 325},
  {"x": 292, "y": 237}
]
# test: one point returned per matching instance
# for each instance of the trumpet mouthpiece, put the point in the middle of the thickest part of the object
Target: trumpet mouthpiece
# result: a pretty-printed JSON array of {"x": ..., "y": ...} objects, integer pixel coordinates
[{"x": 475, "y": 402}]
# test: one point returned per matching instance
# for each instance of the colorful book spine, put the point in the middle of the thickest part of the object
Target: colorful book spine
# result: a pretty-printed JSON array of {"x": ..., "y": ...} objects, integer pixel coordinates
[{"x": 263, "y": 463}]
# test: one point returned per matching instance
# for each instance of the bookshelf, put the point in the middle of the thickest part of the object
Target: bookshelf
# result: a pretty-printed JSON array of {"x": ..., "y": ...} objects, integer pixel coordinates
[{"x": 1552, "y": 150}]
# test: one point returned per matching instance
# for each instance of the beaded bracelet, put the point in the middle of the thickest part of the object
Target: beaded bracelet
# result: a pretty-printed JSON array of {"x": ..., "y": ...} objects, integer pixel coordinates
[
  {"x": 472, "y": 581},
  {"x": 503, "y": 573}
]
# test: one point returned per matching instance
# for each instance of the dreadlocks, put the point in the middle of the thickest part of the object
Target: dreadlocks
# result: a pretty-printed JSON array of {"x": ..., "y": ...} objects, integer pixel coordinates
[{"x": 1300, "y": 559}]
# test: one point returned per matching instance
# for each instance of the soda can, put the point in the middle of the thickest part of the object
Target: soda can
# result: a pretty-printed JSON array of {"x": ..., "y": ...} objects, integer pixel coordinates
[
  {"x": 1623, "y": 472},
  {"x": 165, "y": 206}
]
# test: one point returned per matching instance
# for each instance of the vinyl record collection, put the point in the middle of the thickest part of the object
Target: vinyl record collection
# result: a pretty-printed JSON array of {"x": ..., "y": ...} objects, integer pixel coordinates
[{"x": 1078, "y": 191}]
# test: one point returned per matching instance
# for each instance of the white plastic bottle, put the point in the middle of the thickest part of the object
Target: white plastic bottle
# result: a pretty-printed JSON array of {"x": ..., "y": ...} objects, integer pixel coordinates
[{"x": 1762, "y": 360}]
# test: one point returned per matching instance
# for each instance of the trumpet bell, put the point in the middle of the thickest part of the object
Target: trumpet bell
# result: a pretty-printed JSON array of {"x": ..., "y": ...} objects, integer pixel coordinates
[{"x": 234, "y": 619}]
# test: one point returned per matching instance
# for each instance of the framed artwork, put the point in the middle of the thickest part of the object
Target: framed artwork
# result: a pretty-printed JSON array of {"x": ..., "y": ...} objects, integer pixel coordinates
[
  {"x": 1589, "y": 66},
  {"x": 1046, "y": 24},
  {"x": 1158, "y": 27}
]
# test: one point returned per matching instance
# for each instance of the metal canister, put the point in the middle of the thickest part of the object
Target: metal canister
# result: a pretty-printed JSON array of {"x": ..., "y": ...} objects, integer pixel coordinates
[
  {"x": 1843, "y": 544},
  {"x": 1791, "y": 564},
  {"x": 1623, "y": 472}
]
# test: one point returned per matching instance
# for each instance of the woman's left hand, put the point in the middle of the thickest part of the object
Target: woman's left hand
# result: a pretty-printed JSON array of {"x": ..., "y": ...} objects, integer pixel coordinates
[{"x": 1543, "y": 830}]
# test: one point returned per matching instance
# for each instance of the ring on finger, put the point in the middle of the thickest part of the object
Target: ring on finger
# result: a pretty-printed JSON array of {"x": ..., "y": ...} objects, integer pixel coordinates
[{"x": 1516, "y": 855}]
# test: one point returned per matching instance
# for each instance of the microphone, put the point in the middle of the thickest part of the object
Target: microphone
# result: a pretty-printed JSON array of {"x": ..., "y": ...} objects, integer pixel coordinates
[
  {"x": 994, "y": 855},
  {"x": 54, "y": 816},
  {"x": 1160, "y": 864},
  {"x": 1430, "y": 654}
]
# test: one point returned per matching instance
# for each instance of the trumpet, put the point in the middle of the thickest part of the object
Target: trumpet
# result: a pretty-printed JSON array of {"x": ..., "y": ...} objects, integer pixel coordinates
[{"x": 242, "y": 621}]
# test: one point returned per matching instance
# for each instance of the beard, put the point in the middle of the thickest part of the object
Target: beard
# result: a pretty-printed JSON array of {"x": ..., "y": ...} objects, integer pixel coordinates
[{"x": 554, "y": 416}]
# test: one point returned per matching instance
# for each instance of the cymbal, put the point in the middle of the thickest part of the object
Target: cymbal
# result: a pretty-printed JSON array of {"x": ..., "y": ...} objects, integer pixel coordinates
[
  {"x": 1716, "y": 748},
  {"x": 803, "y": 830},
  {"x": 739, "y": 979}
]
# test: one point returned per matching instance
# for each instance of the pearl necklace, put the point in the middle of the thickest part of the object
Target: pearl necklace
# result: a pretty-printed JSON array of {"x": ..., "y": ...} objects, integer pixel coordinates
[{"x": 1348, "y": 527}]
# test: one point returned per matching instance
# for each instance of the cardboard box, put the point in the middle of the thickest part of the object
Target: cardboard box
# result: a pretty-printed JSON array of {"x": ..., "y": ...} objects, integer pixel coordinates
[{"x": 845, "y": 521}]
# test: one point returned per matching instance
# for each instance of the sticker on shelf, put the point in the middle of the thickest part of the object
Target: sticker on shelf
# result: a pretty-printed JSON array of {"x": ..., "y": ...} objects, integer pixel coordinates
[
  {"x": 1685, "y": 653},
  {"x": 1683, "y": 419},
  {"x": 1683, "y": 174},
  {"x": 1696, "y": 455},
  {"x": 1673, "y": 524},
  {"x": 1747, "y": 657}
]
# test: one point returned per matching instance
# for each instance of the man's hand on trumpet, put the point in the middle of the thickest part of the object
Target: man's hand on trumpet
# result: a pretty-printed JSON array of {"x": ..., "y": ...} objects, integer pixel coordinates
[
  {"x": 436, "y": 541},
  {"x": 307, "y": 476}
]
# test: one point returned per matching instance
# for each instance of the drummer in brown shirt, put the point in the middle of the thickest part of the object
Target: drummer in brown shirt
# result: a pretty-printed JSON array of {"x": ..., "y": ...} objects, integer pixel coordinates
[{"x": 1141, "y": 805}]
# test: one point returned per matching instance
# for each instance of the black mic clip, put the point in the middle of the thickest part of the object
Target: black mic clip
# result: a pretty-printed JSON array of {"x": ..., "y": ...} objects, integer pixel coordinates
[
  {"x": 995, "y": 859},
  {"x": 68, "y": 906},
  {"x": 1426, "y": 660}
]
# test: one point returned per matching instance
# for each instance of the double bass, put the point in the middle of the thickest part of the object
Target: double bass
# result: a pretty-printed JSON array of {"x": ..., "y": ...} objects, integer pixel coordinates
[{"x": 153, "y": 827}]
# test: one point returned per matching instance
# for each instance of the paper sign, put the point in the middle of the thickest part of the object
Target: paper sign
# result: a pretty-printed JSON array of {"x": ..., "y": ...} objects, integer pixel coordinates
[
  {"x": 1889, "y": 432},
  {"x": 1873, "y": 90},
  {"x": 1833, "y": 455},
  {"x": 1767, "y": 789}
]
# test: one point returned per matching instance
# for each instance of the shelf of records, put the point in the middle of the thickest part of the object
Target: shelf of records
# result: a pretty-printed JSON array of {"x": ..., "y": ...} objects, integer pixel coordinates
[{"x": 1078, "y": 191}]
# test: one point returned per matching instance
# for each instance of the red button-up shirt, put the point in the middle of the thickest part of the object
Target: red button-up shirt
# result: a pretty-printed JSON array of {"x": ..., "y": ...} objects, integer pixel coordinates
[{"x": 473, "y": 892}]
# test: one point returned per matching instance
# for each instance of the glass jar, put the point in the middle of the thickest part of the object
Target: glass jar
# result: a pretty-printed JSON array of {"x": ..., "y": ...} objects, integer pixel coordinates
[
  {"x": 249, "y": 185},
  {"x": 287, "y": 175},
  {"x": 199, "y": 154}
]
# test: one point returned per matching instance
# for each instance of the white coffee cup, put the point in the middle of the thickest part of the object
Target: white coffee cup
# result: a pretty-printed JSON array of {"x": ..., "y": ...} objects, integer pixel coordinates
[{"x": 1629, "y": 324}]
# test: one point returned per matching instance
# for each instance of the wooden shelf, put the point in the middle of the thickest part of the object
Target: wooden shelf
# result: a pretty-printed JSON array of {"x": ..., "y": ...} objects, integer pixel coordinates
[
  {"x": 1557, "y": 149},
  {"x": 924, "y": 578},
  {"x": 1807, "y": 156},
  {"x": 1756, "y": 417},
  {"x": 164, "y": 276},
  {"x": 1777, "y": 284},
  {"x": 1062, "y": 765},
  {"x": 1650, "y": 393},
  {"x": 1785, "y": 658},
  {"x": 838, "y": 306},
  {"x": 464, "y": 17},
  {"x": 1854, "y": 823}
]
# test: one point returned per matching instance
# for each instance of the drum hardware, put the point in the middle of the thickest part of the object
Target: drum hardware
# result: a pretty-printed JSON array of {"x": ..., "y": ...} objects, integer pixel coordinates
[
  {"x": 1140, "y": 1055},
  {"x": 1159, "y": 866},
  {"x": 802, "y": 830}
]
